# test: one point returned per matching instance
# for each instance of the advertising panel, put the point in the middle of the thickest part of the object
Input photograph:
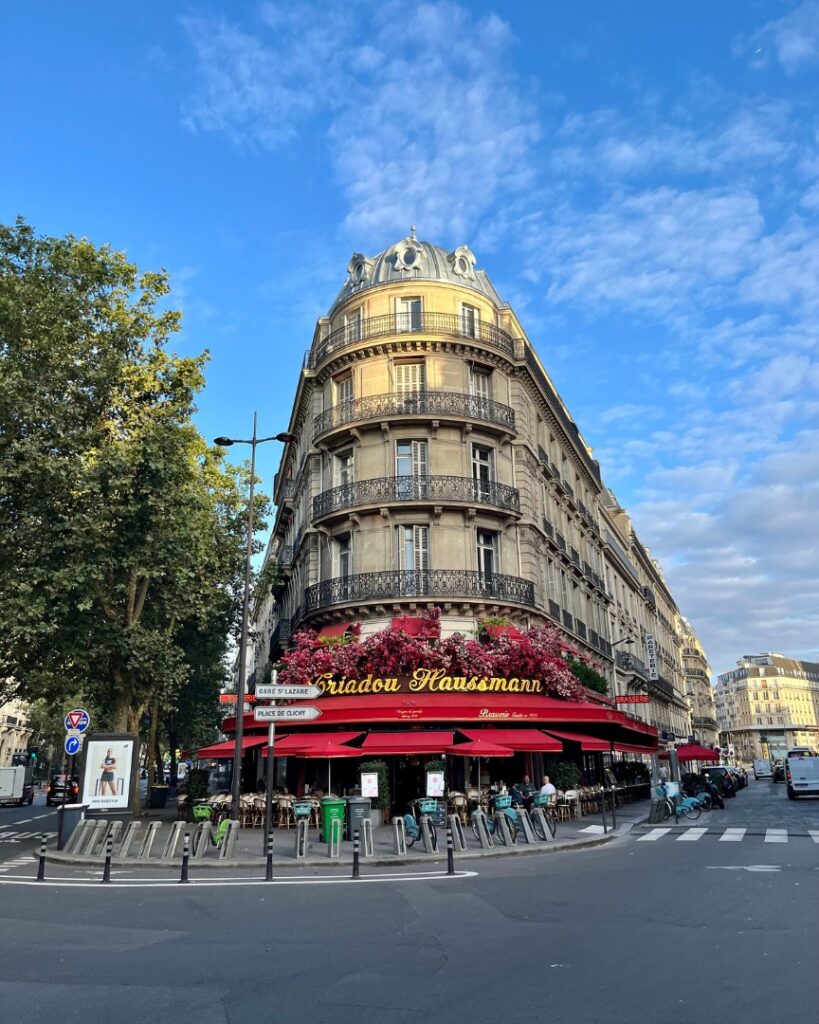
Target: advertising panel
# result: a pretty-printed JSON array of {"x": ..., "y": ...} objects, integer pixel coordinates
[{"x": 109, "y": 774}]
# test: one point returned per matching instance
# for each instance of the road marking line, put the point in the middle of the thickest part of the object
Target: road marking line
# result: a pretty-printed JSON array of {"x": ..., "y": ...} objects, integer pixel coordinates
[
  {"x": 654, "y": 834},
  {"x": 776, "y": 835},
  {"x": 597, "y": 829},
  {"x": 814, "y": 835},
  {"x": 732, "y": 835},
  {"x": 692, "y": 835},
  {"x": 173, "y": 883}
]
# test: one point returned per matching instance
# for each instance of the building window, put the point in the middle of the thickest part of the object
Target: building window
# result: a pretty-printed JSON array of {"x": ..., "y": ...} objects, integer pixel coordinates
[
  {"x": 410, "y": 377},
  {"x": 408, "y": 314},
  {"x": 411, "y": 469},
  {"x": 470, "y": 320},
  {"x": 344, "y": 468},
  {"x": 479, "y": 381},
  {"x": 352, "y": 325},
  {"x": 487, "y": 555},
  {"x": 483, "y": 471},
  {"x": 343, "y": 555},
  {"x": 413, "y": 559},
  {"x": 343, "y": 388}
]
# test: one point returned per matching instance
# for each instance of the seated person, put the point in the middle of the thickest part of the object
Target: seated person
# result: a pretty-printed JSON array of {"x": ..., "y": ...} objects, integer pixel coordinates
[
  {"x": 523, "y": 792},
  {"x": 548, "y": 790}
]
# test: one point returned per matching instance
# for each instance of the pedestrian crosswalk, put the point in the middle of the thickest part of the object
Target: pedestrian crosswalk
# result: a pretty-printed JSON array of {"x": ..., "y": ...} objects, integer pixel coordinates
[
  {"x": 728, "y": 835},
  {"x": 15, "y": 865},
  {"x": 19, "y": 837}
]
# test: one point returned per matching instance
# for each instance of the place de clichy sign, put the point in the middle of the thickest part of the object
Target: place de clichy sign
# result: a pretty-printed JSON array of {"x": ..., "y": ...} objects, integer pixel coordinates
[{"x": 425, "y": 680}]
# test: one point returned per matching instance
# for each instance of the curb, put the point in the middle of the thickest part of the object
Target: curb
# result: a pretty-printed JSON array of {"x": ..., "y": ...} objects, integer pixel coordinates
[{"x": 54, "y": 857}]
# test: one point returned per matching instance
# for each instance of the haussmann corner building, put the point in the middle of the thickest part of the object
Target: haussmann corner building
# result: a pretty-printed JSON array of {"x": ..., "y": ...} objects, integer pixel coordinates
[{"x": 435, "y": 465}]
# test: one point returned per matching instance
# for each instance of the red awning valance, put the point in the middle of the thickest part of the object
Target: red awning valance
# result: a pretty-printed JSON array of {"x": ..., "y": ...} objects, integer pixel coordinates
[
  {"x": 532, "y": 741},
  {"x": 226, "y": 749},
  {"x": 694, "y": 752},
  {"x": 509, "y": 630},
  {"x": 634, "y": 748},
  {"x": 304, "y": 744},
  {"x": 588, "y": 744},
  {"x": 336, "y": 629},
  {"x": 412, "y": 625},
  {"x": 421, "y": 742}
]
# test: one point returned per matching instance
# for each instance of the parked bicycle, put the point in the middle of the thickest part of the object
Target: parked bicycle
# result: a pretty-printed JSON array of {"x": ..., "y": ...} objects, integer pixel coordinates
[
  {"x": 548, "y": 807},
  {"x": 501, "y": 802},
  {"x": 423, "y": 806},
  {"x": 678, "y": 807}
]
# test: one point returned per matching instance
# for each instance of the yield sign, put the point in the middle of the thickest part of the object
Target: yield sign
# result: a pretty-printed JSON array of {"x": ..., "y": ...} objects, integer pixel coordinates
[{"x": 78, "y": 719}]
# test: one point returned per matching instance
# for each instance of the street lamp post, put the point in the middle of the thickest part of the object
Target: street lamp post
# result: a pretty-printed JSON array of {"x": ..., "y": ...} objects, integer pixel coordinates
[{"x": 226, "y": 442}]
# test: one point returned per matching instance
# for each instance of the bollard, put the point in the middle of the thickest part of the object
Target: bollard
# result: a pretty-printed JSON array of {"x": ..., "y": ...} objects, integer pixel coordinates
[
  {"x": 399, "y": 835},
  {"x": 502, "y": 830},
  {"x": 429, "y": 837},
  {"x": 484, "y": 837},
  {"x": 186, "y": 852},
  {"x": 355, "y": 855},
  {"x": 302, "y": 838},
  {"x": 268, "y": 871},
  {"x": 526, "y": 828},
  {"x": 542, "y": 827},
  {"x": 613, "y": 809},
  {"x": 458, "y": 837},
  {"x": 450, "y": 852},
  {"x": 368, "y": 849},
  {"x": 41, "y": 865},
  {"x": 131, "y": 834},
  {"x": 109, "y": 849}
]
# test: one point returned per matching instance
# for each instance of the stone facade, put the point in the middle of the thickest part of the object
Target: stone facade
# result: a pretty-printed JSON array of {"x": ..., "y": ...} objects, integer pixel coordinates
[
  {"x": 698, "y": 688},
  {"x": 14, "y": 731}
]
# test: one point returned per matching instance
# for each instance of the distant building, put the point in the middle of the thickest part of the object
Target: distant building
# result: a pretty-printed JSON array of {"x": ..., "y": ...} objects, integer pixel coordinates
[
  {"x": 768, "y": 704},
  {"x": 698, "y": 689},
  {"x": 14, "y": 731}
]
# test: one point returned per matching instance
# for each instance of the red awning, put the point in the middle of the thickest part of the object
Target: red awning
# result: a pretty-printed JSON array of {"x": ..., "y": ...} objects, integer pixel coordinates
[
  {"x": 479, "y": 748},
  {"x": 589, "y": 744},
  {"x": 529, "y": 740},
  {"x": 511, "y": 631},
  {"x": 694, "y": 752},
  {"x": 227, "y": 749},
  {"x": 422, "y": 742},
  {"x": 412, "y": 625},
  {"x": 633, "y": 748},
  {"x": 309, "y": 744},
  {"x": 337, "y": 629}
]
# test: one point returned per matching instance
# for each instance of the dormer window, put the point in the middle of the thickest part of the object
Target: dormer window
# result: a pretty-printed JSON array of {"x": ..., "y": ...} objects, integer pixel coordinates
[
  {"x": 462, "y": 261},
  {"x": 359, "y": 268}
]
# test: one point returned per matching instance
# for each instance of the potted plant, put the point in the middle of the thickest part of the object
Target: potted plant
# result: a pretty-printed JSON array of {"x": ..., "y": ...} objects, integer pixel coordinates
[{"x": 566, "y": 776}]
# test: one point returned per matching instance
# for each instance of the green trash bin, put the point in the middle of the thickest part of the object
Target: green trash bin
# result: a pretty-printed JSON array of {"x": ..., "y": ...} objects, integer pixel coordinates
[{"x": 331, "y": 810}]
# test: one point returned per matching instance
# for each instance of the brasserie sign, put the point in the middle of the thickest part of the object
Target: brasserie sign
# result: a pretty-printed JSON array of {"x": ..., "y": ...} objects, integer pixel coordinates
[{"x": 424, "y": 680}]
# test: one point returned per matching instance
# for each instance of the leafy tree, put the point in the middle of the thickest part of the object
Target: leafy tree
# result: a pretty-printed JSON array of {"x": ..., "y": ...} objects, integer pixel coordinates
[
  {"x": 588, "y": 676},
  {"x": 121, "y": 530}
]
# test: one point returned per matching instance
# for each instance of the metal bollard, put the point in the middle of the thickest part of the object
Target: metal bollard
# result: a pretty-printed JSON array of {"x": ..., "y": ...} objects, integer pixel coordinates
[
  {"x": 268, "y": 871},
  {"x": 109, "y": 849},
  {"x": 355, "y": 854},
  {"x": 450, "y": 852},
  {"x": 613, "y": 809},
  {"x": 399, "y": 834},
  {"x": 41, "y": 865},
  {"x": 186, "y": 853}
]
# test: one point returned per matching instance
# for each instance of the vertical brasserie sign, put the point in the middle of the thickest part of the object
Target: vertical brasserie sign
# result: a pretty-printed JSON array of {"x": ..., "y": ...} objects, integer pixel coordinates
[{"x": 651, "y": 656}]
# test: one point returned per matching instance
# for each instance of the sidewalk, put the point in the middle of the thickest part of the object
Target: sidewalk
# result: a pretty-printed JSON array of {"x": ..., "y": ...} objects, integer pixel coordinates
[{"x": 249, "y": 850}]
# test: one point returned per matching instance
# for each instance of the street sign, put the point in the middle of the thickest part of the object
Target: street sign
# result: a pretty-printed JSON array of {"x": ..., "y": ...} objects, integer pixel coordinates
[
  {"x": 286, "y": 714},
  {"x": 283, "y": 692},
  {"x": 76, "y": 733},
  {"x": 72, "y": 745},
  {"x": 78, "y": 719}
]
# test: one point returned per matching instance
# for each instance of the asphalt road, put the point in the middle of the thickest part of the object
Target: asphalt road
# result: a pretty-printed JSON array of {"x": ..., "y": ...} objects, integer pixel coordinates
[
  {"x": 21, "y": 829},
  {"x": 643, "y": 930}
]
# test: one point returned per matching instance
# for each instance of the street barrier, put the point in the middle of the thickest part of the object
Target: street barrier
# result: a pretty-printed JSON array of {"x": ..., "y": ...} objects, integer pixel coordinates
[
  {"x": 229, "y": 842},
  {"x": 186, "y": 853},
  {"x": 334, "y": 839},
  {"x": 268, "y": 870},
  {"x": 302, "y": 838},
  {"x": 79, "y": 837},
  {"x": 540, "y": 817},
  {"x": 458, "y": 837},
  {"x": 526, "y": 827},
  {"x": 115, "y": 832},
  {"x": 429, "y": 837},
  {"x": 450, "y": 851},
  {"x": 484, "y": 838},
  {"x": 367, "y": 838},
  {"x": 171, "y": 843},
  {"x": 399, "y": 836},
  {"x": 41, "y": 864},
  {"x": 355, "y": 855},
  {"x": 131, "y": 833}
]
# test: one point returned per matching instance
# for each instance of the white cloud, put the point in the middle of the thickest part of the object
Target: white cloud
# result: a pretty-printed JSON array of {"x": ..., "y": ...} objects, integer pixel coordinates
[{"x": 792, "y": 40}]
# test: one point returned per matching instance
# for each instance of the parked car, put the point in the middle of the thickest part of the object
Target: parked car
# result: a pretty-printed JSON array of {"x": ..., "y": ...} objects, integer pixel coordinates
[
  {"x": 722, "y": 778},
  {"x": 802, "y": 772},
  {"x": 779, "y": 772},
  {"x": 57, "y": 787},
  {"x": 740, "y": 775},
  {"x": 762, "y": 768}
]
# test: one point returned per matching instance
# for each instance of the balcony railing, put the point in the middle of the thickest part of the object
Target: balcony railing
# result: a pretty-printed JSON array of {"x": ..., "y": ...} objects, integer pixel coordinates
[
  {"x": 648, "y": 595},
  {"x": 662, "y": 685},
  {"x": 568, "y": 621},
  {"x": 284, "y": 556},
  {"x": 547, "y": 526},
  {"x": 580, "y": 628},
  {"x": 417, "y": 488},
  {"x": 396, "y": 583},
  {"x": 560, "y": 540},
  {"x": 630, "y": 663},
  {"x": 408, "y": 323},
  {"x": 554, "y": 609},
  {"x": 416, "y": 403}
]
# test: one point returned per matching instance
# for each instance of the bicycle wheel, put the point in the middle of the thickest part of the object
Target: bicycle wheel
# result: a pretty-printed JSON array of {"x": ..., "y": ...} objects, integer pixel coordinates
[
  {"x": 666, "y": 810},
  {"x": 513, "y": 829},
  {"x": 410, "y": 836},
  {"x": 551, "y": 824},
  {"x": 537, "y": 825},
  {"x": 691, "y": 811}
]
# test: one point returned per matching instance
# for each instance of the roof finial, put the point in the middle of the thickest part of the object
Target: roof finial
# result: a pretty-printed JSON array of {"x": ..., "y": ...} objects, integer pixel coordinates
[{"x": 412, "y": 231}]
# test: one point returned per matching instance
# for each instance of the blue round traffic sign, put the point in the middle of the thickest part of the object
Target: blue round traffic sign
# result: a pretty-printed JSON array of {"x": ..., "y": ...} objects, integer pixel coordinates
[
  {"x": 78, "y": 719},
  {"x": 72, "y": 745}
]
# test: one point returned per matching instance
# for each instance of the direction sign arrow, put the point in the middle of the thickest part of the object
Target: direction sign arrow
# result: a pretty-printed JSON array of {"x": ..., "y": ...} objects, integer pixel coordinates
[
  {"x": 72, "y": 745},
  {"x": 286, "y": 714},
  {"x": 284, "y": 692}
]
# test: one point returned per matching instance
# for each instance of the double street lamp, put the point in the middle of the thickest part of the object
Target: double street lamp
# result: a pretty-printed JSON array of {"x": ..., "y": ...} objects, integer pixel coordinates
[{"x": 226, "y": 442}]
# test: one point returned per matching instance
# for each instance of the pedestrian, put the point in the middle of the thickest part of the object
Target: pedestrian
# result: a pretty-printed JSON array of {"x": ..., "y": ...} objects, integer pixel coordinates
[{"x": 548, "y": 790}]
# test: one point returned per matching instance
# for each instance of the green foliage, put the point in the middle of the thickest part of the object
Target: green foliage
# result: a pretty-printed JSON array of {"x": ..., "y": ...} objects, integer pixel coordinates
[
  {"x": 197, "y": 784},
  {"x": 588, "y": 676},
  {"x": 435, "y": 766},
  {"x": 383, "y": 783},
  {"x": 122, "y": 532},
  {"x": 566, "y": 776}
]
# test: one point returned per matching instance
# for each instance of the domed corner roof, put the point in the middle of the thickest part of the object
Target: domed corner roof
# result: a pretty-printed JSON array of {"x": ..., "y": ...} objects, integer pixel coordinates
[{"x": 414, "y": 260}]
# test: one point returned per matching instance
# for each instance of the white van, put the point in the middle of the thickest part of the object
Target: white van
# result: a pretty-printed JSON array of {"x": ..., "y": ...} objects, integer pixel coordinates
[
  {"x": 802, "y": 773},
  {"x": 762, "y": 769}
]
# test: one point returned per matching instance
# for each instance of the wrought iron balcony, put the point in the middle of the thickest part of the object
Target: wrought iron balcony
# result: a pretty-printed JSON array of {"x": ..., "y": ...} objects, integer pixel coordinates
[
  {"x": 580, "y": 628},
  {"x": 630, "y": 663},
  {"x": 574, "y": 554},
  {"x": 390, "y": 584},
  {"x": 568, "y": 622},
  {"x": 408, "y": 323},
  {"x": 554, "y": 609},
  {"x": 416, "y": 488},
  {"x": 547, "y": 526},
  {"x": 648, "y": 595},
  {"x": 284, "y": 556},
  {"x": 560, "y": 540},
  {"x": 439, "y": 404},
  {"x": 662, "y": 686}
]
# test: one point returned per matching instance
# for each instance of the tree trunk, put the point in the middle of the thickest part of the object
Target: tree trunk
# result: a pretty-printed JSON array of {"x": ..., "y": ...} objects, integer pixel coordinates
[{"x": 153, "y": 749}]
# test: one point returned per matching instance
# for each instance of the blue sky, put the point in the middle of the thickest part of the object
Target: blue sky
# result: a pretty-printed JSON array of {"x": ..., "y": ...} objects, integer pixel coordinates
[{"x": 640, "y": 180}]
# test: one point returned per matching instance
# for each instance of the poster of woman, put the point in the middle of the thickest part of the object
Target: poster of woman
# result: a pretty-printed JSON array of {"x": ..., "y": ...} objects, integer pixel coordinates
[{"x": 107, "y": 776}]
